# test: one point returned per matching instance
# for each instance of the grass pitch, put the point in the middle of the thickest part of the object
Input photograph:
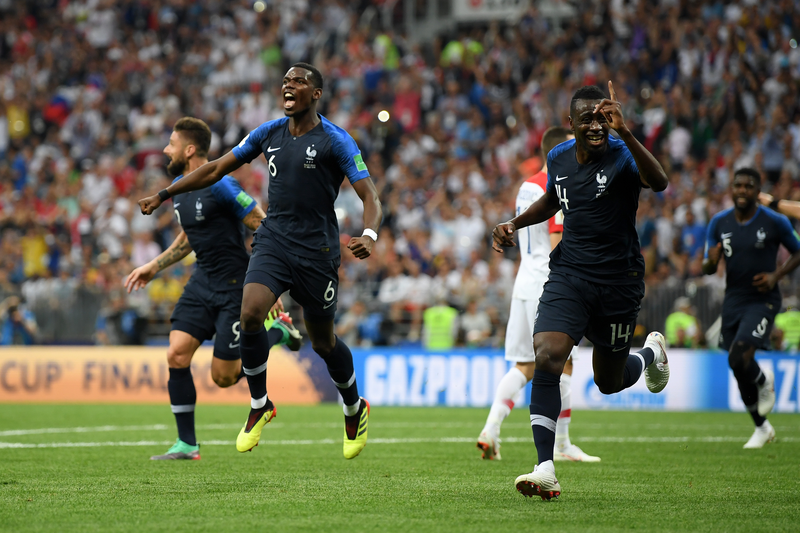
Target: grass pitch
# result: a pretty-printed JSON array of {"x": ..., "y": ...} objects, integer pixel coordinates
[{"x": 87, "y": 468}]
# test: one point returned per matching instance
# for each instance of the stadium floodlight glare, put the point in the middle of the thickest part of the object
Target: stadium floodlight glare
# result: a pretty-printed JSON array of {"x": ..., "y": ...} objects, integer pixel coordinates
[{"x": 383, "y": 116}]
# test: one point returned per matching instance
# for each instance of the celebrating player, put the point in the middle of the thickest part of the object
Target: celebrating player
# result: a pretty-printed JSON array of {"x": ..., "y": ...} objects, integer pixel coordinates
[
  {"x": 213, "y": 222},
  {"x": 535, "y": 246},
  {"x": 750, "y": 236},
  {"x": 596, "y": 280},
  {"x": 297, "y": 246}
]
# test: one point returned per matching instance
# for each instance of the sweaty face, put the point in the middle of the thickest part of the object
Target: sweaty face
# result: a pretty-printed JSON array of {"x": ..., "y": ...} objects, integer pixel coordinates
[
  {"x": 744, "y": 190},
  {"x": 591, "y": 129},
  {"x": 174, "y": 151},
  {"x": 298, "y": 91}
]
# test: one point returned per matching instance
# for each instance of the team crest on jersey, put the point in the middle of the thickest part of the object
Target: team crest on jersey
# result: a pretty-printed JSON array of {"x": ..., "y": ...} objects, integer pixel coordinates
[
  {"x": 310, "y": 155},
  {"x": 761, "y": 235},
  {"x": 601, "y": 184},
  {"x": 198, "y": 205}
]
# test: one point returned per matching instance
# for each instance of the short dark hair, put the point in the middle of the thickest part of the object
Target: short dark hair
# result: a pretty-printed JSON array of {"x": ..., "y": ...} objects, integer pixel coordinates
[
  {"x": 747, "y": 171},
  {"x": 552, "y": 138},
  {"x": 587, "y": 92},
  {"x": 195, "y": 132},
  {"x": 316, "y": 77}
]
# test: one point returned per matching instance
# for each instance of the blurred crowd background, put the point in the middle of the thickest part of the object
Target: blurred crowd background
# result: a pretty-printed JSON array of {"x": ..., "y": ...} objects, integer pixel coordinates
[{"x": 89, "y": 91}]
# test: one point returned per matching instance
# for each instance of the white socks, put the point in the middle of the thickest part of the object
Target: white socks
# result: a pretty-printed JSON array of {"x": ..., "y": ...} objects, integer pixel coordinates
[
  {"x": 351, "y": 410},
  {"x": 564, "y": 418},
  {"x": 259, "y": 403},
  {"x": 508, "y": 388}
]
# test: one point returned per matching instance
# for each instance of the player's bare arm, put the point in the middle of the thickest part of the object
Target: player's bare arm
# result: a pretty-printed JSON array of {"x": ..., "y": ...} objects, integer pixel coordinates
[
  {"x": 711, "y": 263},
  {"x": 205, "y": 176},
  {"x": 179, "y": 249},
  {"x": 253, "y": 219},
  {"x": 362, "y": 246},
  {"x": 650, "y": 171},
  {"x": 784, "y": 207},
  {"x": 539, "y": 211},
  {"x": 766, "y": 281}
]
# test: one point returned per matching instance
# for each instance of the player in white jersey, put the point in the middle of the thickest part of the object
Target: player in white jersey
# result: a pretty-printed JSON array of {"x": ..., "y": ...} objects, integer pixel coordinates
[{"x": 535, "y": 244}]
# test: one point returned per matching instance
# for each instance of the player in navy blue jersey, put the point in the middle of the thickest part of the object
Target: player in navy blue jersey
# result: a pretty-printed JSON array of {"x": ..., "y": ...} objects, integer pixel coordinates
[
  {"x": 596, "y": 280},
  {"x": 213, "y": 223},
  {"x": 296, "y": 248},
  {"x": 749, "y": 235}
]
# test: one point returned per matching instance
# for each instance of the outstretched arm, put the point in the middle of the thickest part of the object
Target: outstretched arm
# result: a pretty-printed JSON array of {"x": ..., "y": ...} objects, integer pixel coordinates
[
  {"x": 650, "y": 171},
  {"x": 179, "y": 249},
  {"x": 539, "y": 211},
  {"x": 373, "y": 213},
  {"x": 203, "y": 177},
  {"x": 784, "y": 207},
  {"x": 253, "y": 219}
]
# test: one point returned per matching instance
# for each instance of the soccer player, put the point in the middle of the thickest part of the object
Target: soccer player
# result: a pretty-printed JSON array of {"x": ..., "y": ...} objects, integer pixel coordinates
[
  {"x": 596, "y": 281},
  {"x": 213, "y": 223},
  {"x": 749, "y": 237},
  {"x": 296, "y": 247},
  {"x": 535, "y": 245}
]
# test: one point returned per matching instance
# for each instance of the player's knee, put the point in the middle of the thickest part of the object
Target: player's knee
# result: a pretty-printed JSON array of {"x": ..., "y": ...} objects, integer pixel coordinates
[
  {"x": 323, "y": 347},
  {"x": 252, "y": 318},
  {"x": 736, "y": 357},
  {"x": 608, "y": 386},
  {"x": 223, "y": 379},
  {"x": 177, "y": 358}
]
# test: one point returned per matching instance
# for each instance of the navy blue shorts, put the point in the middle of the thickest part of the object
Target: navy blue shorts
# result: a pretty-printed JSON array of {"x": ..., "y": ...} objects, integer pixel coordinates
[
  {"x": 203, "y": 313},
  {"x": 749, "y": 323},
  {"x": 314, "y": 284},
  {"x": 604, "y": 314}
]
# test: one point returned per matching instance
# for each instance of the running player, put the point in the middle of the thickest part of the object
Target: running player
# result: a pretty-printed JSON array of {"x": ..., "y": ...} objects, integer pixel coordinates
[
  {"x": 296, "y": 247},
  {"x": 535, "y": 245},
  {"x": 596, "y": 281},
  {"x": 213, "y": 222},
  {"x": 749, "y": 236}
]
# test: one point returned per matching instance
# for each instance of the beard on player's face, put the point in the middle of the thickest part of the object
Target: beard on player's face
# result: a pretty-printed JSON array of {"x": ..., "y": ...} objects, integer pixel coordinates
[{"x": 176, "y": 166}]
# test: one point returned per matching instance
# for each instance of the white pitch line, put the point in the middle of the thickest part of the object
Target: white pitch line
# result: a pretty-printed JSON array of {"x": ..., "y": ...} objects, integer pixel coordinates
[
  {"x": 441, "y": 440},
  {"x": 387, "y": 425}
]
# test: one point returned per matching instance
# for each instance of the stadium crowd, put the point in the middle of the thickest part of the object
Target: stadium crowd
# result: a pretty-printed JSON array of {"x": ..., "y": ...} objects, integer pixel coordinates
[{"x": 89, "y": 91}]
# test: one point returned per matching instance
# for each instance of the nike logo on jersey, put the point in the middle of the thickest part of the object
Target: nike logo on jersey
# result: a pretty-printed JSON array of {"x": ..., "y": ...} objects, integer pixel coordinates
[
  {"x": 619, "y": 349},
  {"x": 727, "y": 235},
  {"x": 561, "y": 178},
  {"x": 327, "y": 306},
  {"x": 233, "y": 346},
  {"x": 271, "y": 149},
  {"x": 176, "y": 204}
]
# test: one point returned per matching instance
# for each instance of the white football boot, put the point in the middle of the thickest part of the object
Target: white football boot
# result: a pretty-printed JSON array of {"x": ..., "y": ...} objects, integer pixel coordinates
[
  {"x": 762, "y": 435},
  {"x": 766, "y": 393},
  {"x": 541, "y": 482},
  {"x": 656, "y": 375}
]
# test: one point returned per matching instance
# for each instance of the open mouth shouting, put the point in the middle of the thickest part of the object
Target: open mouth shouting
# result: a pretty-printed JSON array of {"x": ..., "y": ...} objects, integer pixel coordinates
[{"x": 289, "y": 100}]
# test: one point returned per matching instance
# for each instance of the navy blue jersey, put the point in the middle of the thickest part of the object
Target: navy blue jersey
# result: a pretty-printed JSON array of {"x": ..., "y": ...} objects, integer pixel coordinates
[
  {"x": 212, "y": 219},
  {"x": 305, "y": 175},
  {"x": 599, "y": 202},
  {"x": 749, "y": 249}
]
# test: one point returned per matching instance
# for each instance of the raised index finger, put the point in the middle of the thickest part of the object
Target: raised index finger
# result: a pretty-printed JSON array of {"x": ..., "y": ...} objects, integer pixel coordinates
[{"x": 611, "y": 92}]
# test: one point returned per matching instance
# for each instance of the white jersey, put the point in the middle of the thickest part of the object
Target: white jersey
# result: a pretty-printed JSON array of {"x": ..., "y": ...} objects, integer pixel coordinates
[{"x": 534, "y": 242}]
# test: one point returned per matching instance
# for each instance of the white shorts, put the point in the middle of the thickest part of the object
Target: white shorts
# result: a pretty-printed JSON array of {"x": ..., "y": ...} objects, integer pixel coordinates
[{"x": 519, "y": 332}]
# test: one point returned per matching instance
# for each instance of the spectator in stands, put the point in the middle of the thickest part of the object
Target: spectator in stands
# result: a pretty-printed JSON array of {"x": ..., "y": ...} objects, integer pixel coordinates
[
  {"x": 682, "y": 329},
  {"x": 439, "y": 326},
  {"x": 476, "y": 326},
  {"x": 18, "y": 324},
  {"x": 786, "y": 332}
]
